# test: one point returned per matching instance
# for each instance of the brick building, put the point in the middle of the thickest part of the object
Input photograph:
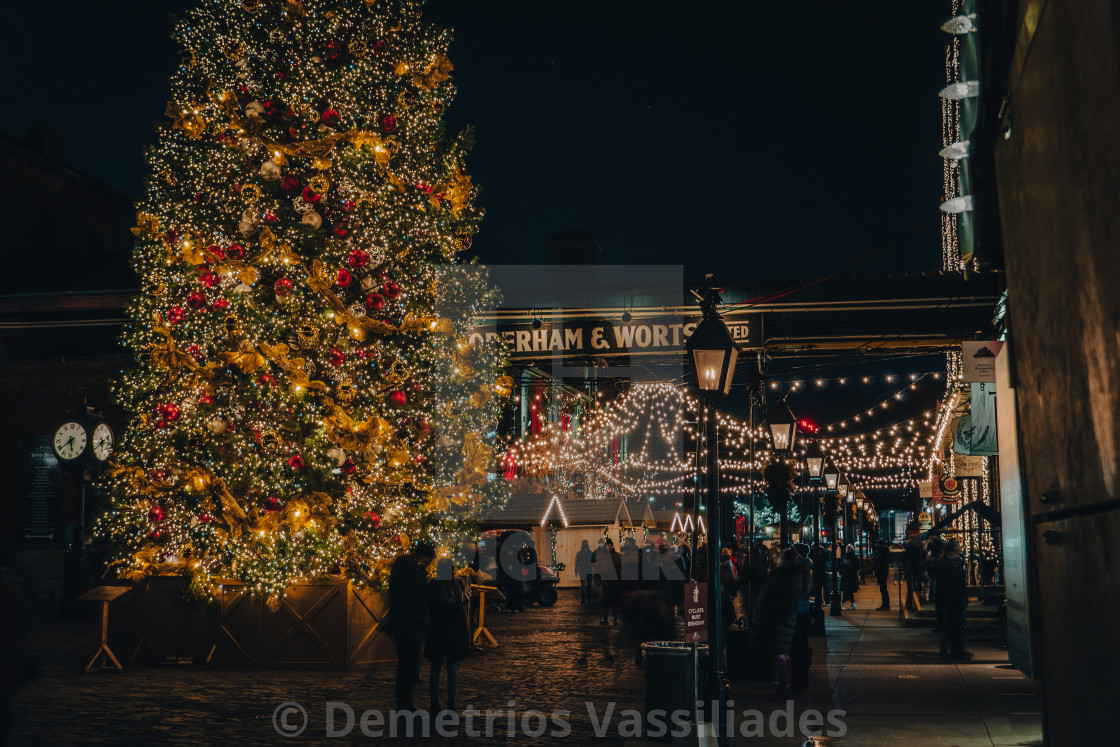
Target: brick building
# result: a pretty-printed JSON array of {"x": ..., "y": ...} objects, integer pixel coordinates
[{"x": 61, "y": 305}]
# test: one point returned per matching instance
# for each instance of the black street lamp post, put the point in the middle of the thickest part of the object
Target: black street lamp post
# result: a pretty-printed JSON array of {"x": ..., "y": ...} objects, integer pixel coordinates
[
  {"x": 837, "y": 546},
  {"x": 783, "y": 431},
  {"x": 713, "y": 354}
]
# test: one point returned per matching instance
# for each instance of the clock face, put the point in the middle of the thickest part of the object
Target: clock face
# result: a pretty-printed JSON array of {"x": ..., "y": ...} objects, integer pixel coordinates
[
  {"x": 70, "y": 440},
  {"x": 102, "y": 441}
]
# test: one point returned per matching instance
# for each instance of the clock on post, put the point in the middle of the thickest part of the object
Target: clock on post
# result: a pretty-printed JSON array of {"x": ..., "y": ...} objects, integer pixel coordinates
[{"x": 83, "y": 441}]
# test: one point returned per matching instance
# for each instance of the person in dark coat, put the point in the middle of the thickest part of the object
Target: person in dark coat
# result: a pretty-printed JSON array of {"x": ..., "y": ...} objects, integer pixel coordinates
[
  {"x": 584, "y": 571},
  {"x": 882, "y": 574},
  {"x": 608, "y": 567},
  {"x": 801, "y": 653},
  {"x": 775, "y": 619},
  {"x": 849, "y": 577},
  {"x": 935, "y": 548},
  {"x": 408, "y": 621},
  {"x": 449, "y": 635},
  {"x": 758, "y": 568},
  {"x": 727, "y": 588},
  {"x": 954, "y": 593}
]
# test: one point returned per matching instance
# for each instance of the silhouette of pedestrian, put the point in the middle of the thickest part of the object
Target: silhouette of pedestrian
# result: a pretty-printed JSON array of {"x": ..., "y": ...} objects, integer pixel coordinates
[
  {"x": 584, "y": 571},
  {"x": 408, "y": 620}
]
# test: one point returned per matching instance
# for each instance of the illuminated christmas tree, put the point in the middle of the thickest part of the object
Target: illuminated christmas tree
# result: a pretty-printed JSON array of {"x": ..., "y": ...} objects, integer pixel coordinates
[{"x": 306, "y": 399}]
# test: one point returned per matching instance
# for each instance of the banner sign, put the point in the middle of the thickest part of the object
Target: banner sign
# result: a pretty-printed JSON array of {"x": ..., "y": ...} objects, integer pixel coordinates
[
  {"x": 603, "y": 337},
  {"x": 695, "y": 613},
  {"x": 968, "y": 466},
  {"x": 925, "y": 521},
  {"x": 925, "y": 489},
  {"x": 978, "y": 360}
]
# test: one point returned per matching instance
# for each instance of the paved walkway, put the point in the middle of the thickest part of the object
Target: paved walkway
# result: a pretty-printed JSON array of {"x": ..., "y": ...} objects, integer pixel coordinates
[{"x": 888, "y": 679}]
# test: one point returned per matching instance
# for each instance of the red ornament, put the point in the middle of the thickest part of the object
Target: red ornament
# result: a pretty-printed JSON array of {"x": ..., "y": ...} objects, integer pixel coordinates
[
  {"x": 266, "y": 379},
  {"x": 309, "y": 196},
  {"x": 206, "y": 400},
  {"x": 194, "y": 351},
  {"x": 389, "y": 288},
  {"x": 373, "y": 517},
  {"x": 418, "y": 458},
  {"x": 398, "y": 398},
  {"x": 271, "y": 217},
  {"x": 296, "y": 462},
  {"x": 388, "y": 122},
  {"x": 289, "y": 183},
  {"x": 375, "y": 302},
  {"x": 293, "y": 133},
  {"x": 329, "y": 117},
  {"x": 216, "y": 250},
  {"x": 156, "y": 514},
  {"x": 176, "y": 314},
  {"x": 235, "y": 251},
  {"x": 358, "y": 258},
  {"x": 332, "y": 51},
  {"x": 348, "y": 467},
  {"x": 172, "y": 235},
  {"x": 344, "y": 278},
  {"x": 283, "y": 288},
  {"x": 209, "y": 278},
  {"x": 196, "y": 300},
  {"x": 169, "y": 411},
  {"x": 340, "y": 229},
  {"x": 221, "y": 303},
  {"x": 348, "y": 205},
  {"x": 337, "y": 357},
  {"x": 204, "y": 519},
  {"x": 156, "y": 535},
  {"x": 272, "y": 503}
]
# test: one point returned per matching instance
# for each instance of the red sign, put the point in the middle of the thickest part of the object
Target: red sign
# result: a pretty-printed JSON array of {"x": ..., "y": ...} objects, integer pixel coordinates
[{"x": 695, "y": 613}]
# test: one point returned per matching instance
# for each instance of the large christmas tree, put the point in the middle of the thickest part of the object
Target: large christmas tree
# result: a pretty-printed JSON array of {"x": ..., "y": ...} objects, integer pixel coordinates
[{"x": 306, "y": 399}]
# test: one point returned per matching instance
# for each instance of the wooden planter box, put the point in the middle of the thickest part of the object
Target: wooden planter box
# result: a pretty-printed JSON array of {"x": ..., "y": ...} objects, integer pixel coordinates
[{"x": 322, "y": 625}]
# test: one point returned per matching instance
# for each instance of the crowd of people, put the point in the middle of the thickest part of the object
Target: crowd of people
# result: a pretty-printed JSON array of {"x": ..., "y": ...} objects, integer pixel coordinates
[{"x": 767, "y": 590}]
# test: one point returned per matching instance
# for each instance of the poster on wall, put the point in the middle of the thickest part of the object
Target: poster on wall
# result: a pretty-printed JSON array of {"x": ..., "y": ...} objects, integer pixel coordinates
[
  {"x": 978, "y": 361},
  {"x": 38, "y": 491}
]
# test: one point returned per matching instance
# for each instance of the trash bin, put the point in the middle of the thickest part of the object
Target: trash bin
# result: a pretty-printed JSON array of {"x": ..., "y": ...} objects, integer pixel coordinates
[{"x": 670, "y": 679}]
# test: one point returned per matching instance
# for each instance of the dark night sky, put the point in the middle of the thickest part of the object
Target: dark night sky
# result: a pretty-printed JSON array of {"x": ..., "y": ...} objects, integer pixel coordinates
[{"x": 754, "y": 139}]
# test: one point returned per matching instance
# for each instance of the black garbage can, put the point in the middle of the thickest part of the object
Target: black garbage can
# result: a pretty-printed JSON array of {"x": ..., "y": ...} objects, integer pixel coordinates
[{"x": 670, "y": 679}]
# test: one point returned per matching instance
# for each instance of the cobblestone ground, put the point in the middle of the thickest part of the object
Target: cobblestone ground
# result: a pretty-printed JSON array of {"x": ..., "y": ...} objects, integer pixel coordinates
[
  {"x": 554, "y": 658},
  {"x": 884, "y": 682}
]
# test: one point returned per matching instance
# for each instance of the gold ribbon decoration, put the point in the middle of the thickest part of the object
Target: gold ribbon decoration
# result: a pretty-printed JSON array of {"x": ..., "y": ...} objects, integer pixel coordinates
[
  {"x": 456, "y": 189},
  {"x": 147, "y": 226},
  {"x": 188, "y": 119},
  {"x": 292, "y": 367},
  {"x": 476, "y": 459},
  {"x": 503, "y": 386}
]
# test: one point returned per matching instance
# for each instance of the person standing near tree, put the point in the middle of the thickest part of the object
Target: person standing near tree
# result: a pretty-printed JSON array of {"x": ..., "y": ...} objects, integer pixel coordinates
[
  {"x": 775, "y": 619},
  {"x": 609, "y": 566},
  {"x": 584, "y": 570},
  {"x": 409, "y": 617},
  {"x": 448, "y": 637}
]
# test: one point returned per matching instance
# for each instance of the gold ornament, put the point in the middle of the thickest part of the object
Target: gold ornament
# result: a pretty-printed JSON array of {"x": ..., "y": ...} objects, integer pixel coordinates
[
  {"x": 357, "y": 48},
  {"x": 186, "y": 118},
  {"x": 345, "y": 391},
  {"x": 308, "y": 335},
  {"x": 503, "y": 386},
  {"x": 319, "y": 184},
  {"x": 231, "y": 323},
  {"x": 270, "y": 440},
  {"x": 250, "y": 193}
]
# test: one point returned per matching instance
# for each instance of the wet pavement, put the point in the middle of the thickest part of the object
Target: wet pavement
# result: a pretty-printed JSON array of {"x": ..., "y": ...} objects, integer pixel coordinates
[{"x": 878, "y": 682}]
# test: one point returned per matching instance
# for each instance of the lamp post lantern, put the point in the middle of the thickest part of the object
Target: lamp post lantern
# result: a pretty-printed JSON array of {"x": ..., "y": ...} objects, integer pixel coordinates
[
  {"x": 814, "y": 461},
  {"x": 831, "y": 477},
  {"x": 713, "y": 354}
]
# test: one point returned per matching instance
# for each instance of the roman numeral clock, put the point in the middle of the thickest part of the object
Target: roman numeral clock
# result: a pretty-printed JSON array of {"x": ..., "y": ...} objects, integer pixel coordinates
[{"x": 85, "y": 441}]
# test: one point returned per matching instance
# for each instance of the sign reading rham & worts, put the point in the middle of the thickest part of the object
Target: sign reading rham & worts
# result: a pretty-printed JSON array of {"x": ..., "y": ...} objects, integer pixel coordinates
[{"x": 579, "y": 336}]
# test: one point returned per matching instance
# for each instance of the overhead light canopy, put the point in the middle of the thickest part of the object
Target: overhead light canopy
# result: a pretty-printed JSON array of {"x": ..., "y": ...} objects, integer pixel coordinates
[
  {"x": 782, "y": 425},
  {"x": 814, "y": 460},
  {"x": 831, "y": 476},
  {"x": 713, "y": 355}
]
